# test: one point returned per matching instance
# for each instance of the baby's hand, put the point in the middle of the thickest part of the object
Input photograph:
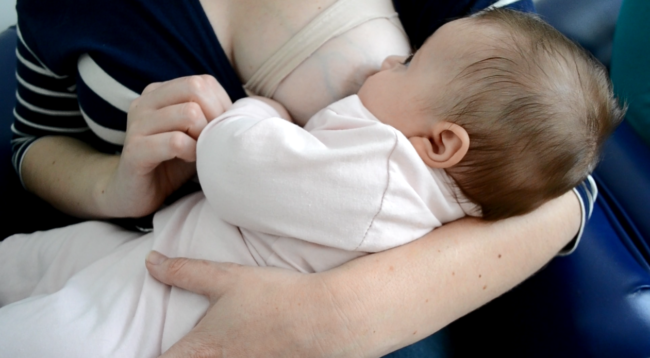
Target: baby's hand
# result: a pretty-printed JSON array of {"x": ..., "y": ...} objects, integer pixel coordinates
[{"x": 284, "y": 114}]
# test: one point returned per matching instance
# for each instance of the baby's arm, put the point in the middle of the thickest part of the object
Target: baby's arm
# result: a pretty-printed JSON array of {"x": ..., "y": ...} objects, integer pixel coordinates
[
  {"x": 277, "y": 107},
  {"x": 263, "y": 173}
]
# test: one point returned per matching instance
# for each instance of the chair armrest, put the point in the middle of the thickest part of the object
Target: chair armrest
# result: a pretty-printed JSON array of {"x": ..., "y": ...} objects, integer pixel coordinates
[{"x": 623, "y": 178}]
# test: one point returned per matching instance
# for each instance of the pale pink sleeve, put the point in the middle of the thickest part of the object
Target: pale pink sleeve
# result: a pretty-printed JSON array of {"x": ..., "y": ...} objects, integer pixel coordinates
[{"x": 266, "y": 174}]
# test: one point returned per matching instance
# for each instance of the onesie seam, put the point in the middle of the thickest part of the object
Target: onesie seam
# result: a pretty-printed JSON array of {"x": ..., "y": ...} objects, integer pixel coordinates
[{"x": 383, "y": 195}]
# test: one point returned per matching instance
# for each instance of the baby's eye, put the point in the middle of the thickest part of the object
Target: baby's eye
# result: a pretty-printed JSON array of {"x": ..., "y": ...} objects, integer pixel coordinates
[{"x": 408, "y": 60}]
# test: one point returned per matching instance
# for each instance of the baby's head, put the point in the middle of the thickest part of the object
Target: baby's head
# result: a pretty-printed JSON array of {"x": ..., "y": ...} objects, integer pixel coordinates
[{"x": 513, "y": 111}]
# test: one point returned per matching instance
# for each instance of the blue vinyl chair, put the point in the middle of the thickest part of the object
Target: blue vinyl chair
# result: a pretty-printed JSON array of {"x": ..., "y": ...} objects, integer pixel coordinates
[{"x": 593, "y": 303}]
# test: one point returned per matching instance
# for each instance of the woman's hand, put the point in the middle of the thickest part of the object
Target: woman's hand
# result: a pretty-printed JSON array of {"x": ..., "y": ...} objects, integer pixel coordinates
[
  {"x": 249, "y": 315},
  {"x": 158, "y": 156},
  {"x": 159, "y": 152}
]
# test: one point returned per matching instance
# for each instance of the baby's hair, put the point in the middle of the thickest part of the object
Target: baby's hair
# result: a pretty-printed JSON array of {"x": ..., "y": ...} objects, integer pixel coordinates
[{"x": 537, "y": 109}]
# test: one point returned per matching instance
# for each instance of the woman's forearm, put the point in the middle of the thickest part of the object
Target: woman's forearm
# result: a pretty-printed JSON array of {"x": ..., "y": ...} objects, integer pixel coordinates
[
  {"x": 68, "y": 174},
  {"x": 158, "y": 155},
  {"x": 391, "y": 299},
  {"x": 372, "y": 305}
]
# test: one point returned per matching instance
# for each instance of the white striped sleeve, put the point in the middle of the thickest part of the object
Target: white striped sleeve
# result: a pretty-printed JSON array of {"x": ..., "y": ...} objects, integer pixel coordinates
[
  {"x": 502, "y": 3},
  {"x": 45, "y": 104}
]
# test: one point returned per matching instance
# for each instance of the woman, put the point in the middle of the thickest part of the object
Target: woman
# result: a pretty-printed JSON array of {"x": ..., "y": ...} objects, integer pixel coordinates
[{"x": 416, "y": 296}]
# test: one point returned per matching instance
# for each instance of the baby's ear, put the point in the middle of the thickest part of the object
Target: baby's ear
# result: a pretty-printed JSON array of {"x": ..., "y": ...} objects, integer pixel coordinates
[{"x": 445, "y": 146}]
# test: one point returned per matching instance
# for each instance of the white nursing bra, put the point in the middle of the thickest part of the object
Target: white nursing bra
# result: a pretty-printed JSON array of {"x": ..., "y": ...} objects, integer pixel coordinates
[{"x": 340, "y": 17}]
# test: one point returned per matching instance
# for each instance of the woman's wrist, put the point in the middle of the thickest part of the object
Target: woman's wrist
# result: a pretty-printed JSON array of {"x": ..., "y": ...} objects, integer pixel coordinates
[
  {"x": 371, "y": 302},
  {"x": 328, "y": 318},
  {"x": 105, "y": 203},
  {"x": 67, "y": 173}
]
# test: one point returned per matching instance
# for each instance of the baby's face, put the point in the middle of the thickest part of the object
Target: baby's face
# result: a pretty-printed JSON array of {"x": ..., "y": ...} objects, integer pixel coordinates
[{"x": 405, "y": 90}]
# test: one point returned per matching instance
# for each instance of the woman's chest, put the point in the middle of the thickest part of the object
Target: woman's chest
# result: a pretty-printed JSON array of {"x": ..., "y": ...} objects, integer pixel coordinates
[{"x": 306, "y": 54}]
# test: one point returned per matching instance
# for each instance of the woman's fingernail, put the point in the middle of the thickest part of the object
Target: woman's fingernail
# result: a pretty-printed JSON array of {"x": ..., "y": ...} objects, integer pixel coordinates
[{"x": 155, "y": 258}]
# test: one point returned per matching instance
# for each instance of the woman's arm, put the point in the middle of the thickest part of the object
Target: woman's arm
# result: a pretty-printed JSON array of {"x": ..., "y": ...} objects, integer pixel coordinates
[
  {"x": 372, "y": 305},
  {"x": 63, "y": 170},
  {"x": 158, "y": 154}
]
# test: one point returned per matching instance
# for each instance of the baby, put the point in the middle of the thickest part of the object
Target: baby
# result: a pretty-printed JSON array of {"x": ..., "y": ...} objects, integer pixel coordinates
[
  {"x": 512, "y": 110},
  {"x": 496, "y": 114}
]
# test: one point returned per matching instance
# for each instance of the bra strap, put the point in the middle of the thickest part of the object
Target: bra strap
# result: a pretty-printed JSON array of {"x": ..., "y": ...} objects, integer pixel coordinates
[{"x": 340, "y": 17}]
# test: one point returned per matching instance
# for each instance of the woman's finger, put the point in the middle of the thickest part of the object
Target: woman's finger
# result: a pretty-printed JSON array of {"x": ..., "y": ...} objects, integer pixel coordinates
[
  {"x": 206, "y": 278},
  {"x": 149, "y": 151},
  {"x": 152, "y": 87},
  {"x": 194, "y": 344},
  {"x": 185, "y": 117},
  {"x": 203, "y": 90}
]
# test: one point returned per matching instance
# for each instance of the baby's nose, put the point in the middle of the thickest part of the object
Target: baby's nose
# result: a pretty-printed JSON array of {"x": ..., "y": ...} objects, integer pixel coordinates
[{"x": 392, "y": 61}]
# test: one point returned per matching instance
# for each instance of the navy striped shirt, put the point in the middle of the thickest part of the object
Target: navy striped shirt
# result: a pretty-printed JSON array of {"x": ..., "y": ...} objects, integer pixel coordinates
[{"x": 81, "y": 63}]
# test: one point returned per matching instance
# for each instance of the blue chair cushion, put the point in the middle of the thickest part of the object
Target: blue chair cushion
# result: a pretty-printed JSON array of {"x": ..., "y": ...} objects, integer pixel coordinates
[{"x": 631, "y": 64}]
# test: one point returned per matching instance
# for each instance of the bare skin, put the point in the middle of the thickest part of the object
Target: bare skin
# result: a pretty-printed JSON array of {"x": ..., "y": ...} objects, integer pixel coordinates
[
  {"x": 158, "y": 156},
  {"x": 374, "y": 304},
  {"x": 166, "y": 120}
]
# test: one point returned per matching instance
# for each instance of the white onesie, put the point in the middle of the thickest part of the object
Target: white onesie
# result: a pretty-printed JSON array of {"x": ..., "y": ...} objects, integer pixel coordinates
[{"x": 274, "y": 194}]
